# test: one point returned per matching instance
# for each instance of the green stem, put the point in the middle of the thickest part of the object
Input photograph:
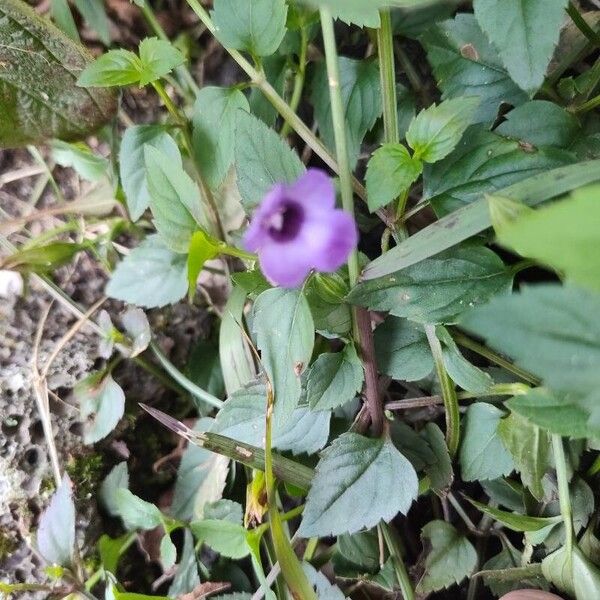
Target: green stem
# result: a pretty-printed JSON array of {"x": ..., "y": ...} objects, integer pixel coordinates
[
  {"x": 399, "y": 566},
  {"x": 587, "y": 106},
  {"x": 298, "y": 79},
  {"x": 564, "y": 497},
  {"x": 387, "y": 71},
  {"x": 582, "y": 25},
  {"x": 448, "y": 392}
]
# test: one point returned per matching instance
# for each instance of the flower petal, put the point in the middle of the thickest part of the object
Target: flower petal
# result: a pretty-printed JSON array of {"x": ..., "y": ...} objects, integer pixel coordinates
[
  {"x": 284, "y": 264},
  {"x": 256, "y": 235},
  {"x": 314, "y": 190}
]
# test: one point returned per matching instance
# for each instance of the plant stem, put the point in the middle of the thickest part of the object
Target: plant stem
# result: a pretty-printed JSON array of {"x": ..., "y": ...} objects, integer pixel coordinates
[
  {"x": 298, "y": 79},
  {"x": 582, "y": 25},
  {"x": 448, "y": 392},
  {"x": 399, "y": 566},
  {"x": 586, "y": 106},
  {"x": 564, "y": 497},
  {"x": 387, "y": 72}
]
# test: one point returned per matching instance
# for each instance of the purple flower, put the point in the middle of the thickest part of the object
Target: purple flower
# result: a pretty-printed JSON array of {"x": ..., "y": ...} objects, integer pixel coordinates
[{"x": 297, "y": 228}]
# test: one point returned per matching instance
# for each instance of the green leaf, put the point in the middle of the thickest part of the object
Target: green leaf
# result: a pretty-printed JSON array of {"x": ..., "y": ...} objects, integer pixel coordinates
[
  {"x": 285, "y": 335},
  {"x": 38, "y": 95},
  {"x": 224, "y": 537},
  {"x": 550, "y": 330},
  {"x": 214, "y": 146},
  {"x": 138, "y": 331},
  {"x": 101, "y": 405},
  {"x": 186, "y": 578},
  {"x": 204, "y": 367},
  {"x": 224, "y": 510},
  {"x": 402, "y": 350},
  {"x": 482, "y": 455},
  {"x": 540, "y": 123},
  {"x": 88, "y": 165},
  {"x": 56, "y": 531},
  {"x": 356, "y": 555},
  {"x": 466, "y": 64},
  {"x": 558, "y": 413},
  {"x": 174, "y": 200},
  {"x": 40, "y": 259},
  {"x": 361, "y": 97},
  {"x": 131, "y": 163},
  {"x": 482, "y": 163},
  {"x": 436, "y": 131},
  {"x": 451, "y": 557},
  {"x": 529, "y": 447},
  {"x": 515, "y": 521},
  {"x": 513, "y": 28},
  {"x": 572, "y": 573},
  {"x": 391, "y": 171},
  {"x": 110, "y": 550},
  {"x": 439, "y": 470},
  {"x": 61, "y": 14},
  {"x": 115, "y": 68},
  {"x": 94, "y": 13},
  {"x": 262, "y": 159},
  {"x": 202, "y": 249},
  {"x": 563, "y": 236},
  {"x": 158, "y": 58},
  {"x": 168, "y": 552},
  {"x": 257, "y": 27},
  {"x": 358, "y": 482},
  {"x": 135, "y": 512},
  {"x": 117, "y": 478},
  {"x": 242, "y": 418},
  {"x": 471, "y": 220},
  {"x": 151, "y": 275},
  {"x": 334, "y": 379},
  {"x": 201, "y": 478},
  {"x": 437, "y": 289}
]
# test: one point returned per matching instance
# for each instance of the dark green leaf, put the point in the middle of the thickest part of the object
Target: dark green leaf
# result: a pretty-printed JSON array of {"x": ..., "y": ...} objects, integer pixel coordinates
[
  {"x": 451, "y": 557},
  {"x": 515, "y": 521},
  {"x": 158, "y": 58},
  {"x": 358, "y": 482},
  {"x": 513, "y": 28},
  {"x": 438, "y": 289},
  {"x": 186, "y": 578},
  {"x": 285, "y": 335},
  {"x": 262, "y": 159},
  {"x": 439, "y": 470},
  {"x": 390, "y": 172},
  {"x": 214, "y": 147},
  {"x": 56, "y": 531},
  {"x": 204, "y": 367},
  {"x": 402, "y": 350},
  {"x": 334, "y": 379},
  {"x": 356, "y": 555},
  {"x": 256, "y": 27},
  {"x": 151, "y": 275},
  {"x": 482, "y": 455},
  {"x": 465, "y": 64},
  {"x": 361, "y": 96},
  {"x": 135, "y": 512},
  {"x": 224, "y": 537},
  {"x": 38, "y": 95}
]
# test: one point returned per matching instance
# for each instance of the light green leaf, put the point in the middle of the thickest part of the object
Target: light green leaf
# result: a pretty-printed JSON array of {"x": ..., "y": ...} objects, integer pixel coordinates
[
  {"x": 174, "y": 200},
  {"x": 471, "y": 220},
  {"x": 168, "y": 552},
  {"x": 563, "y": 235},
  {"x": 101, "y": 405},
  {"x": 450, "y": 559},
  {"x": 39, "y": 98},
  {"x": 285, "y": 335},
  {"x": 515, "y": 521},
  {"x": 131, "y": 163},
  {"x": 114, "y": 68},
  {"x": 482, "y": 455},
  {"x": 529, "y": 447},
  {"x": 436, "y": 131},
  {"x": 158, "y": 58},
  {"x": 358, "y": 482},
  {"x": 94, "y": 13},
  {"x": 135, "y": 512},
  {"x": 56, "y": 531},
  {"x": 242, "y": 418},
  {"x": 551, "y": 330},
  {"x": 262, "y": 159},
  {"x": 513, "y": 28},
  {"x": 391, "y": 171},
  {"x": 202, "y": 249},
  {"x": 438, "y": 289},
  {"x": 224, "y": 537},
  {"x": 224, "y": 510},
  {"x": 257, "y": 27},
  {"x": 466, "y": 64},
  {"x": 402, "y": 350},
  {"x": 361, "y": 97},
  {"x": 483, "y": 163},
  {"x": 151, "y": 275},
  {"x": 61, "y": 14},
  {"x": 117, "y": 478},
  {"x": 334, "y": 379},
  {"x": 110, "y": 550},
  {"x": 214, "y": 147},
  {"x": 136, "y": 326},
  {"x": 186, "y": 578},
  {"x": 572, "y": 573},
  {"x": 88, "y": 165}
]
